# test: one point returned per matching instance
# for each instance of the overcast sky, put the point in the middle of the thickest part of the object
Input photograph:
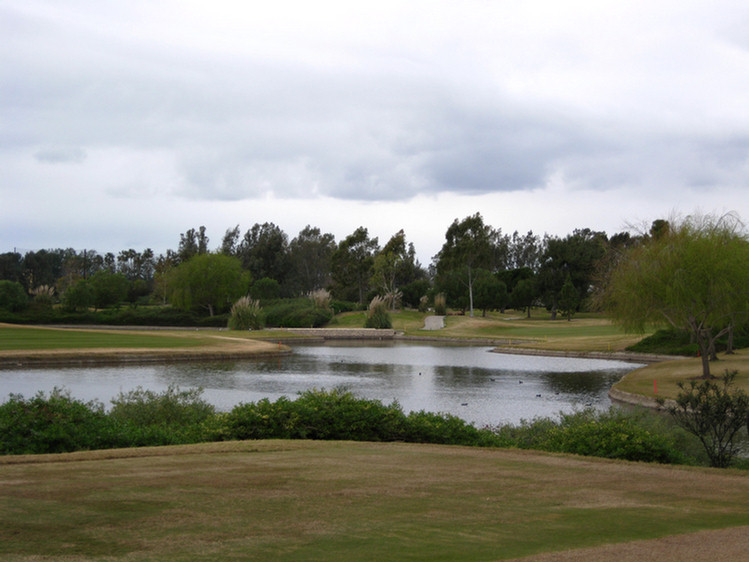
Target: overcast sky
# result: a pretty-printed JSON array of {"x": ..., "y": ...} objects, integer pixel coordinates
[{"x": 123, "y": 124}]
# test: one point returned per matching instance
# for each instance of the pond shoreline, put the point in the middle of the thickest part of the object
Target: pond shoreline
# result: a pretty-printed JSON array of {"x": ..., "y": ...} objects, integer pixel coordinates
[{"x": 278, "y": 344}]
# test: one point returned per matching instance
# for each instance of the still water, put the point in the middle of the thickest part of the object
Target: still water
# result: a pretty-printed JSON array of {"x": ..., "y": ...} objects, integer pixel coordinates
[{"x": 471, "y": 382}]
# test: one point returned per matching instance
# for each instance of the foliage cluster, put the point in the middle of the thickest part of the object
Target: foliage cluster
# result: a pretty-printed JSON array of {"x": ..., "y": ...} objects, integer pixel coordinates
[
  {"x": 57, "y": 423},
  {"x": 141, "y": 316},
  {"x": 693, "y": 275},
  {"x": 295, "y": 313},
  {"x": 615, "y": 434},
  {"x": 715, "y": 412}
]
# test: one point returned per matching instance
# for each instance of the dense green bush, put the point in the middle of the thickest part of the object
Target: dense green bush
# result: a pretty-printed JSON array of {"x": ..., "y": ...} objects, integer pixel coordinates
[
  {"x": 345, "y": 306},
  {"x": 58, "y": 423},
  {"x": 53, "y": 424},
  {"x": 615, "y": 434},
  {"x": 667, "y": 342},
  {"x": 295, "y": 313},
  {"x": 169, "y": 417}
]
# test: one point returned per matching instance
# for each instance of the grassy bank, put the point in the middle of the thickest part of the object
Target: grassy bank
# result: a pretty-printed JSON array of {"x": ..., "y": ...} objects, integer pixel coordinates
[
  {"x": 586, "y": 332},
  {"x": 660, "y": 380},
  {"x": 311, "y": 500},
  {"x": 19, "y": 344}
]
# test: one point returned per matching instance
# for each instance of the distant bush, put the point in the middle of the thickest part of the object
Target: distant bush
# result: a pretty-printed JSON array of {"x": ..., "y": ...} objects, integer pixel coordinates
[
  {"x": 295, "y": 313},
  {"x": 666, "y": 342},
  {"x": 345, "y": 306}
]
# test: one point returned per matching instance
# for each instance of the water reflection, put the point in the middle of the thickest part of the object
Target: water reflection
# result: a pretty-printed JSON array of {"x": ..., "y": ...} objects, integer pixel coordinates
[{"x": 482, "y": 387}]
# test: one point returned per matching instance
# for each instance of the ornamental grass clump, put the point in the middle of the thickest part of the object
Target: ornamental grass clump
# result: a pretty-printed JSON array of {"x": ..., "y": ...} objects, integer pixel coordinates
[
  {"x": 440, "y": 304},
  {"x": 321, "y": 299},
  {"x": 246, "y": 314},
  {"x": 377, "y": 314}
]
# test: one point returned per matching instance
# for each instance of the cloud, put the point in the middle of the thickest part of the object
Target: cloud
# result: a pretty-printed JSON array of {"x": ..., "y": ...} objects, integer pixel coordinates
[
  {"x": 61, "y": 155},
  {"x": 331, "y": 106}
]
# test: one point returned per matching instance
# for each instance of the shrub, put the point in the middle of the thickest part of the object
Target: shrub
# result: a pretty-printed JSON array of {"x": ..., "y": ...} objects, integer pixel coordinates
[
  {"x": 667, "y": 342},
  {"x": 53, "y": 424},
  {"x": 265, "y": 288},
  {"x": 339, "y": 414},
  {"x": 295, "y": 313},
  {"x": 615, "y": 434},
  {"x": 715, "y": 412},
  {"x": 377, "y": 314},
  {"x": 246, "y": 314},
  {"x": 321, "y": 298},
  {"x": 43, "y": 296},
  {"x": 170, "y": 417},
  {"x": 428, "y": 427}
]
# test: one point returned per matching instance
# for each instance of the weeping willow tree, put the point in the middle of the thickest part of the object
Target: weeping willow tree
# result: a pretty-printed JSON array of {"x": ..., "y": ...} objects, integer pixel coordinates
[{"x": 693, "y": 275}]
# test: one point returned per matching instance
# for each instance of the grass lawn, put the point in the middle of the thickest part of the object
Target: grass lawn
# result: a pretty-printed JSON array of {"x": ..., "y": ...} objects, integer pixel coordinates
[
  {"x": 589, "y": 332},
  {"x": 20, "y": 343},
  {"x": 33, "y": 338},
  {"x": 665, "y": 376},
  {"x": 312, "y": 500}
]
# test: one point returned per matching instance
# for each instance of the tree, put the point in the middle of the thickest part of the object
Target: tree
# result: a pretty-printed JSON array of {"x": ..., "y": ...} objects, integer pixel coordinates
[
  {"x": 11, "y": 266},
  {"x": 693, "y": 276},
  {"x": 110, "y": 289},
  {"x": 524, "y": 294},
  {"x": 229, "y": 241},
  {"x": 715, "y": 413},
  {"x": 78, "y": 296},
  {"x": 490, "y": 292},
  {"x": 264, "y": 252},
  {"x": 13, "y": 298},
  {"x": 469, "y": 244},
  {"x": 568, "y": 299},
  {"x": 395, "y": 266},
  {"x": 525, "y": 251},
  {"x": 576, "y": 255},
  {"x": 310, "y": 256},
  {"x": 352, "y": 263},
  {"x": 210, "y": 281},
  {"x": 192, "y": 243}
]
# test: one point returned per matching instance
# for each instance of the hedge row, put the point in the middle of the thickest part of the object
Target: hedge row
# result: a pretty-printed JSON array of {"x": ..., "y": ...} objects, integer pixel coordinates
[{"x": 58, "y": 423}]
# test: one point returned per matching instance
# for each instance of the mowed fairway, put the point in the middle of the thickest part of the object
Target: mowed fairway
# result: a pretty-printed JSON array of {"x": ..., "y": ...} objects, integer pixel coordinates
[
  {"x": 311, "y": 500},
  {"x": 32, "y": 345}
]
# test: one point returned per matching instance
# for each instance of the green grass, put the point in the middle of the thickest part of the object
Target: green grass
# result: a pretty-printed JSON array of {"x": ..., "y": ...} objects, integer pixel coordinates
[
  {"x": 311, "y": 500},
  {"x": 23, "y": 338},
  {"x": 664, "y": 377}
]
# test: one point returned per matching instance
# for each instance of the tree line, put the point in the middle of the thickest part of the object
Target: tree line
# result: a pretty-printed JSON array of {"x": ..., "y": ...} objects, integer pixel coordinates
[{"x": 478, "y": 268}]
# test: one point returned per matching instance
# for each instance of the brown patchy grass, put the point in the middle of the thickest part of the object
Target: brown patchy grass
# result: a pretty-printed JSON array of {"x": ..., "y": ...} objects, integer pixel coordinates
[{"x": 310, "y": 500}]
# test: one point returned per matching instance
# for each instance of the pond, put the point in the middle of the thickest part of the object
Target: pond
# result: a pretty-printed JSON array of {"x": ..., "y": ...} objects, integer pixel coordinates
[{"x": 468, "y": 381}]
